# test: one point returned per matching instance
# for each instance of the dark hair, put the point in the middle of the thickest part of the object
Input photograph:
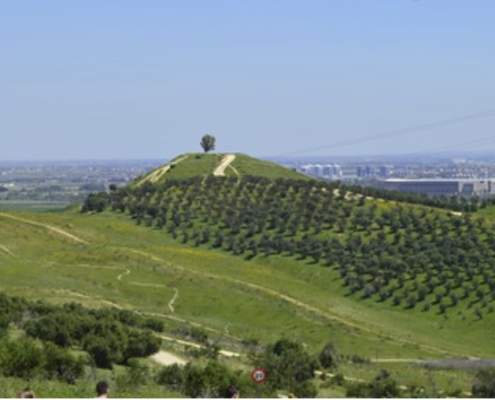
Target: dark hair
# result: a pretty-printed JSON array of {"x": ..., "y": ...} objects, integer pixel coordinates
[
  {"x": 101, "y": 388},
  {"x": 26, "y": 394},
  {"x": 233, "y": 392}
]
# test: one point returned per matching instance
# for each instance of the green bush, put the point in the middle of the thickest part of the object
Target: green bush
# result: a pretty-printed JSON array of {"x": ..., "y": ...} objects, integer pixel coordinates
[
  {"x": 61, "y": 364},
  {"x": 22, "y": 358},
  {"x": 484, "y": 384},
  {"x": 328, "y": 357}
]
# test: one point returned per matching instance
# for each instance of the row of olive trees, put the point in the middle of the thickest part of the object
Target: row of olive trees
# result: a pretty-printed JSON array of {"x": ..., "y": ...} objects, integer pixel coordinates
[{"x": 404, "y": 255}]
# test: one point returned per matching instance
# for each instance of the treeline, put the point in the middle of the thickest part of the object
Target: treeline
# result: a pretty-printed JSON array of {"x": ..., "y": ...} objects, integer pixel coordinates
[
  {"x": 405, "y": 255},
  {"x": 108, "y": 336},
  {"x": 454, "y": 203}
]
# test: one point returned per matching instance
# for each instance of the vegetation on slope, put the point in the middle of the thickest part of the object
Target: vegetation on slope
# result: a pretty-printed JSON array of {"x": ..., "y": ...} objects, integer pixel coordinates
[
  {"x": 201, "y": 165},
  {"x": 238, "y": 302},
  {"x": 407, "y": 256}
]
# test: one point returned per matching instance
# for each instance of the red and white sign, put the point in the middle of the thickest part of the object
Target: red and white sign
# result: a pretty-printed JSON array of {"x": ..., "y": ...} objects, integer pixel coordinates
[{"x": 258, "y": 375}]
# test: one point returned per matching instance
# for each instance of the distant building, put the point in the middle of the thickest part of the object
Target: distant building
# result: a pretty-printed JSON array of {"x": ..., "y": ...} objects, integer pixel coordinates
[
  {"x": 441, "y": 187},
  {"x": 325, "y": 171},
  {"x": 366, "y": 171}
]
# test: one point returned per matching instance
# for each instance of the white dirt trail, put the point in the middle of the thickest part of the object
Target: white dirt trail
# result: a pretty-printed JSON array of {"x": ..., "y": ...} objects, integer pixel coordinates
[
  {"x": 51, "y": 228},
  {"x": 166, "y": 358},
  {"x": 325, "y": 314},
  {"x": 173, "y": 300},
  {"x": 226, "y": 161},
  {"x": 225, "y": 353},
  {"x": 6, "y": 250},
  {"x": 158, "y": 173}
]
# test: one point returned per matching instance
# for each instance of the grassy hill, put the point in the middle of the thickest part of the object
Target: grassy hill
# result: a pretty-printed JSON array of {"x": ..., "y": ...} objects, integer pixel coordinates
[
  {"x": 198, "y": 164},
  {"x": 234, "y": 300},
  {"x": 250, "y": 259}
]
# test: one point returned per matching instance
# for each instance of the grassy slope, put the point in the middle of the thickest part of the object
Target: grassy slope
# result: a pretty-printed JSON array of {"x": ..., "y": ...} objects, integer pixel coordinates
[
  {"x": 198, "y": 164},
  {"x": 246, "y": 165},
  {"x": 213, "y": 290}
]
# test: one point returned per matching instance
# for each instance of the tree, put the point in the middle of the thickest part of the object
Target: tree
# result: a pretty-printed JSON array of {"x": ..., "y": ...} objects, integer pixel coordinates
[
  {"x": 382, "y": 386},
  {"x": 208, "y": 143},
  {"x": 288, "y": 366},
  {"x": 328, "y": 356},
  {"x": 62, "y": 364},
  {"x": 484, "y": 384},
  {"x": 21, "y": 358}
]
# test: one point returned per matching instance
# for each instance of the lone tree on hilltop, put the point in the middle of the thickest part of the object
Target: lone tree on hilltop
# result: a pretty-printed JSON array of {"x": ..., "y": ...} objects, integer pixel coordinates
[{"x": 208, "y": 143}]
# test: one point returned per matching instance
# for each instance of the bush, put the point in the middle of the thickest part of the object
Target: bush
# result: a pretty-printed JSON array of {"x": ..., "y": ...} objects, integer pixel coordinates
[
  {"x": 136, "y": 375},
  {"x": 171, "y": 376},
  {"x": 21, "y": 358},
  {"x": 382, "y": 386},
  {"x": 306, "y": 389},
  {"x": 328, "y": 356},
  {"x": 287, "y": 364},
  {"x": 484, "y": 384},
  {"x": 61, "y": 364},
  {"x": 141, "y": 344},
  {"x": 99, "y": 351},
  {"x": 154, "y": 324}
]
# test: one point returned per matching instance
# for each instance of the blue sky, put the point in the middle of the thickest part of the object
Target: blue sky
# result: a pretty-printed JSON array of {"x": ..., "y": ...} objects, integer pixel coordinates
[{"x": 145, "y": 79}]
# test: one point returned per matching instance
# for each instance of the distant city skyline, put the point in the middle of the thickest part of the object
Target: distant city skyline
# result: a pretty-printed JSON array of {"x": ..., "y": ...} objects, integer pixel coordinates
[{"x": 145, "y": 80}]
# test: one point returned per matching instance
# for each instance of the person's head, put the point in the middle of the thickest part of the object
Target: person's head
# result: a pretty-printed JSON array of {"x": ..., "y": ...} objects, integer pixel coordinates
[
  {"x": 102, "y": 389},
  {"x": 233, "y": 392},
  {"x": 26, "y": 394}
]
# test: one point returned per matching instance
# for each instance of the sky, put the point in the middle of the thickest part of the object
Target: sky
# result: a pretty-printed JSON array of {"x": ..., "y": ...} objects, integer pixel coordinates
[{"x": 119, "y": 79}]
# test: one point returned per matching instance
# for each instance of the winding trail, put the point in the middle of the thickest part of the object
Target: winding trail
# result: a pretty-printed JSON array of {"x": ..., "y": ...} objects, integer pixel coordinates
[
  {"x": 51, "y": 228},
  {"x": 324, "y": 314},
  {"x": 173, "y": 300},
  {"x": 6, "y": 250},
  {"x": 226, "y": 161},
  {"x": 159, "y": 172}
]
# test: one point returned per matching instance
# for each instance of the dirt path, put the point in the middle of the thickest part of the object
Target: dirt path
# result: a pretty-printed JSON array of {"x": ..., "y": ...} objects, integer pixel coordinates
[
  {"x": 226, "y": 161},
  {"x": 166, "y": 358},
  {"x": 397, "y": 360},
  {"x": 51, "y": 228},
  {"x": 6, "y": 250},
  {"x": 325, "y": 314},
  {"x": 173, "y": 300},
  {"x": 159, "y": 172},
  {"x": 195, "y": 345}
]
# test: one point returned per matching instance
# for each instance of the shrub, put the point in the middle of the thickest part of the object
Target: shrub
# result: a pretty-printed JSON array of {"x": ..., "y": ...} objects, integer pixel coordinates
[
  {"x": 61, "y": 364},
  {"x": 484, "y": 384},
  {"x": 171, "y": 376},
  {"x": 328, "y": 357},
  {"x": 21, "y": 358}
]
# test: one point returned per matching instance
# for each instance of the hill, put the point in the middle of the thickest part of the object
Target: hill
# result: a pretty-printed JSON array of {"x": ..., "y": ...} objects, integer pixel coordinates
[
  {"x": 214, "y": 164},
  {"x": 237, "y": 262},
  {"x": 105, "y": 260},
  {"x": 407, "y": 256}
]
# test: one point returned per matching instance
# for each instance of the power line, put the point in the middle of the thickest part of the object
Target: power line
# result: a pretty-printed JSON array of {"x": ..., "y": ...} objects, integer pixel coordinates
[
  {"x": 397, "y": 132},
  {"x": 445, "y": 149}
]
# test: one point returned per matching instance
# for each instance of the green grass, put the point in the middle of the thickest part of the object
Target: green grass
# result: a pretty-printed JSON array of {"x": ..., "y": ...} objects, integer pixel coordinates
[
  {"x": 200, "y": 164},
  {"x": 196, "y": 164},
  {"x": 265, "y": 298},
  {"x": 246, "y": 165},
  {"x": 10, "y": 387}
]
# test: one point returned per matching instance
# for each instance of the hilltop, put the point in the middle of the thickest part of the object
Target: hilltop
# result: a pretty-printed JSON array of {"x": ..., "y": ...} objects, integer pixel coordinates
[{"x": 215, "y": 164}]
